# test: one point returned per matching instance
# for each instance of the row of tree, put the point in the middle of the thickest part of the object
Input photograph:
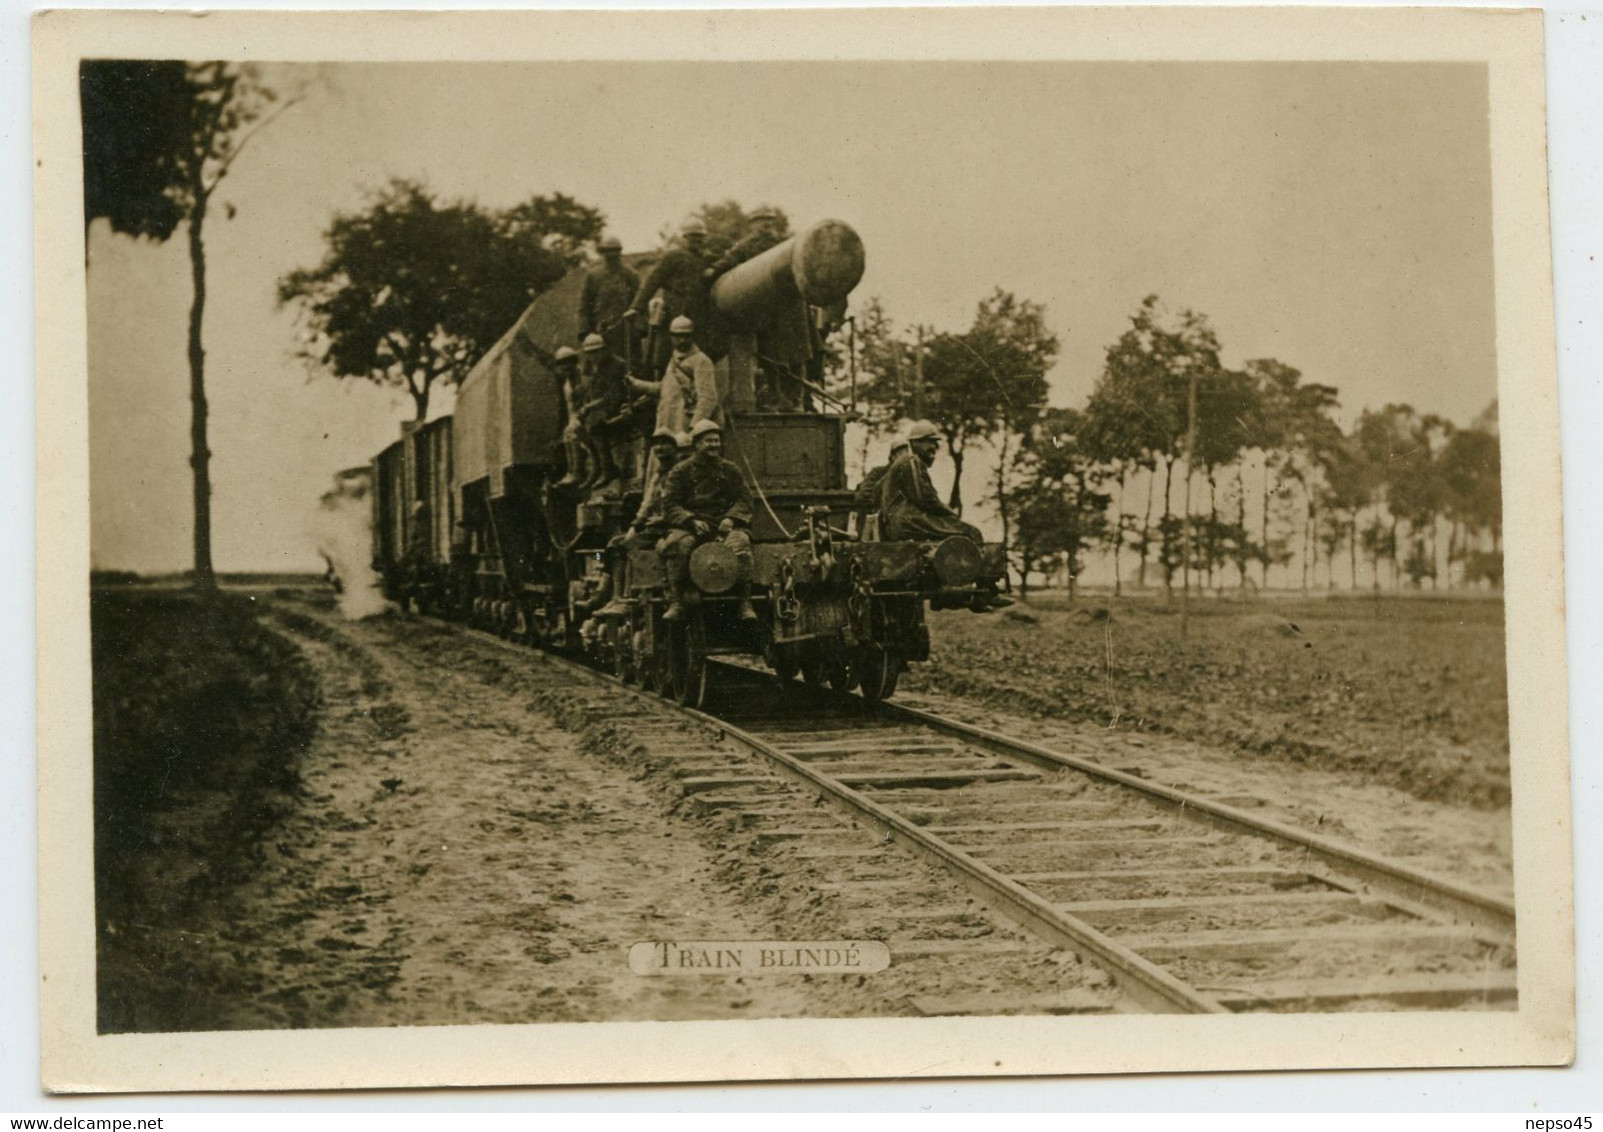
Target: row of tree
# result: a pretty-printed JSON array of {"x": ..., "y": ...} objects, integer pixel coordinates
[
  {"x": 1280, "y": 484},
  {"x": 412, "y": 289}
]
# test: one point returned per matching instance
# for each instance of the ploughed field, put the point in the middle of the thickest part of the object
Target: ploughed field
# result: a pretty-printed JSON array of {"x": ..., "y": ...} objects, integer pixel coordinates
[{"x": 1408, "y": 692}]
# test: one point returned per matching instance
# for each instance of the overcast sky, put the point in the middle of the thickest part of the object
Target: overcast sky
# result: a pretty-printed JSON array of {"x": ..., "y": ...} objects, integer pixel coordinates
[{"x": 1335, "y": 216}]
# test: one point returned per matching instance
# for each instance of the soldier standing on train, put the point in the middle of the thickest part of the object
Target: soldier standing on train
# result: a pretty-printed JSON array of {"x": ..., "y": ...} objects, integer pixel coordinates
[
  {"x": 582, "y": 463},
  {"x": 785, "y": 345},
  {"x": 706, "y": 498},
  {"x": 606, "y": 295},
  {"x": 604, "y": 412},
  {"x": 688, "y": 391},
  {"x": 680, "y": 276}
]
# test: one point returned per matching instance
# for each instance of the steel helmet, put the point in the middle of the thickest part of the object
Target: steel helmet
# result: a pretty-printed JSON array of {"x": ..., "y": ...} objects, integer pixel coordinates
[
  {"x": 693, "y": 226},
  {"x": 665, "y": 434},
  {"x": 682, "y": 439},
  {"x": 610, "y": 244},
  {"x": 703, "y": 427},
  {"x": 565, "y": 352},
  {"x": 592, "y": 343},
  {"x": 921, "y": 430},
  {"x": 681, "y": 325},
  {"x": 765, "y": 212}
]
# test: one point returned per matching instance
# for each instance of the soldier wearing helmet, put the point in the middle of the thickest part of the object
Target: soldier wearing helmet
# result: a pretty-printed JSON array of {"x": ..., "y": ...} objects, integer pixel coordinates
[
  {"x": 706, "y": 498},
  {"x": 680, "y": 276},
  {"x": 688, "y": 391},
  {"x": 583, "y": 464},
  {"x": 650, "y": 521},
  {"x": 605, "y": 296},
  {"x": 909, "y": 505},
  {"x": 788, "y": 342},
  {"x": 865, "y": 500},
  {"x": 604, "y": 412}
]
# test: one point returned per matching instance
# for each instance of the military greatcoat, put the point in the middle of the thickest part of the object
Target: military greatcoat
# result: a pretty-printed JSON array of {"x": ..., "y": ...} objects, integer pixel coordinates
[
  {"x": 912, "y": 509},
  {"x": 606, "y": 294},
  {"x": 709, "y": 490}
]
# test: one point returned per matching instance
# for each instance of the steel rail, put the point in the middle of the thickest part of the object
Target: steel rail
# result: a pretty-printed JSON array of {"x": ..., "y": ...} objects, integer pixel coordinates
[
  {"x": 1145, "y": 982},
  {"x": 1464, "y": 905}
]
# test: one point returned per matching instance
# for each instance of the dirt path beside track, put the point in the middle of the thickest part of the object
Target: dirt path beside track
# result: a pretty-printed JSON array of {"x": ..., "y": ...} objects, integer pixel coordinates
[
  {"x": 456, "y": 858},
  {"x": 462, "y": 853}
]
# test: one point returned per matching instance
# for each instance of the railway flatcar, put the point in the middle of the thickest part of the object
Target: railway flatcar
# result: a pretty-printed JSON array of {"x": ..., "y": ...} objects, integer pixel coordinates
[{"x": 475, "y": 516}]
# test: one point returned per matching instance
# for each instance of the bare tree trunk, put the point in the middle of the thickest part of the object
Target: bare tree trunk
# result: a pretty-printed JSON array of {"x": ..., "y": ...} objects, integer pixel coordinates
[
  {"x": 1307, "y": 538},
  {"x": 1118, "y": 533},
  {"x": 1396, "y": 568},
  {"x": 1268, "y": 476},
  {"x": 1146, "y": 528},
  {"x": 1168, "y": 560},
  {"x": 1001, "y": 486},
  {"x": 1241, "y": 521},
  {"x": 1352, "y": 549},
  {"x": 199, "y": 454}
]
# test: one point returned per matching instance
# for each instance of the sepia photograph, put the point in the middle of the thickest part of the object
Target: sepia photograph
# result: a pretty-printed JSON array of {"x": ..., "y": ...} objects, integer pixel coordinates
[{"x": 777, "y": 520}]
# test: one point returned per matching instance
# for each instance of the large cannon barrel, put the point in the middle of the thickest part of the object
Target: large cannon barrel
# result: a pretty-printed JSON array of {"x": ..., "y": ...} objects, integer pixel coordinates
[{"x": 820, "y": 265}]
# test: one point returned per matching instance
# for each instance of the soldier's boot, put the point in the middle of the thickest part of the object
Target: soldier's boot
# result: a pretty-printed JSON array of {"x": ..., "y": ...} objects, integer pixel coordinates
[
  {"x": 578, "y": 471},
  {"x": 747, "y": 612},
  {"x": 617, "y": 607},
  {"x": 678, "y": 575},
  {"x": 988, "y": 600},
  {"x": 605, "y": 480}
]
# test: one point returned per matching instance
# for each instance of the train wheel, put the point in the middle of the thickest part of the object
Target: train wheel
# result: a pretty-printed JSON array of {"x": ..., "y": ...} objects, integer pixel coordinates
[
  {"x": 876, "y": 673},
  {"x": 662, "y": 666},
  {"x": 632, "y": 649},
  {"x": 689, "y": 673}
]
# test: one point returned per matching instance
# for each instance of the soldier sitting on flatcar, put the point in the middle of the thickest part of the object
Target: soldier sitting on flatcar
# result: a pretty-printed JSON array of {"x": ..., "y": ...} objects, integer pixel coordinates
[
  {"x": 607, "y": 292},
  {"x": 680, "y": 276},
  {"x": 909, "y": 506},
  {"x": 706, "y": 498},
  {"x": 604, "y": 412},
  {"x": 912, "y": 510},
  {"x": 650, "y": 522},
  {"x": 866, "y": 499}
]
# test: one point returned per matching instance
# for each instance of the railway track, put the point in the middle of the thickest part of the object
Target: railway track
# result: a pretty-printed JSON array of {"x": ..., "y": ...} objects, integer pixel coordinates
[{"x": 1192, "y": 905}]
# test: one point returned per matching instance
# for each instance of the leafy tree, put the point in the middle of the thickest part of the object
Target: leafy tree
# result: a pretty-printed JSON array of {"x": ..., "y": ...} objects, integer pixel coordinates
[
  {"x": 1385, "y": 438},
  {"x": 412, "y": 290},
  {"x": 1471, "y": 477},
  {"x": 989, "y": 383},
  {"x": 1295, "y": 433},
  {"x": 135, "y": 124},
  {"x": 559, "y": 224},
  {"x": 1118, "y": 432},
  {"x": 1058, "y": 499},
  {"x": 150, "y": 166},
  {"x": 1147, "y": 373},
  {"x": 1349, "y": 488}
]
